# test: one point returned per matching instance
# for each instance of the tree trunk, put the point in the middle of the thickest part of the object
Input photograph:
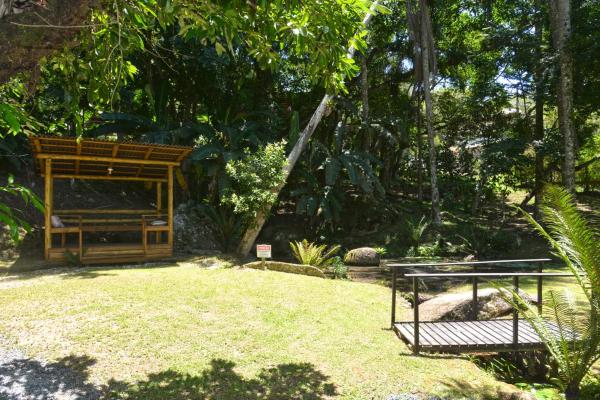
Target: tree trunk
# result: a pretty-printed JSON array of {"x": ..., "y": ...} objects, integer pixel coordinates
[
  {"x": 572, "y": 391},
  {"x": 560, "y": 17},
  {"x": 254, "y": 229},
  {"x": 479, "y": 185},
  {"x": 431, "y": 135},
  {"x": 6, "y": 7},
  {"x": 364, "y": 89},
  {"x": 538, "y": 133},
  {"x": 419, "y": 151}
]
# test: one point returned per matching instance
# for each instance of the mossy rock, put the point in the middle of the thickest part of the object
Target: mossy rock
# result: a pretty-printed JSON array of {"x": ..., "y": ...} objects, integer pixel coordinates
[
  {"x": 366, "y": 256},
  {"x": 286, "y": 267}
]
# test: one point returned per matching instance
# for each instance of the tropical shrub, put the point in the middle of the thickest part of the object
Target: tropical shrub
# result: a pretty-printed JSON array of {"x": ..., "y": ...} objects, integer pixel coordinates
[
  {"x": 416, "y": 230},
  {"x": 11, "y": 217},
  {"x": 317, "y": 255},
  {"x": 11, "y": 123},
  {"x": 338, "y": 269},
  {"x": 382, "y": 251},
  {"x": 253, "y": 180},
  {"x": 577, "y": 346}
]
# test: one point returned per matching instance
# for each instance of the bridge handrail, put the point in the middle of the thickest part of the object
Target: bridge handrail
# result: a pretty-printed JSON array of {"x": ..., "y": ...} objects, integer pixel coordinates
[
  {"x": 484, "y": 274},
  {"x": 475, "y": 276},
  {"x": 467, "y": 263}
]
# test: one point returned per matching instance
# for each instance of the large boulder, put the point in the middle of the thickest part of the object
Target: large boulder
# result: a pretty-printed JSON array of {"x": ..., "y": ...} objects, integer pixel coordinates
[
  {"x": 366, "y": 256},
  {"x": 191, "y": 230},
  {"x": 458, "y": 306}
]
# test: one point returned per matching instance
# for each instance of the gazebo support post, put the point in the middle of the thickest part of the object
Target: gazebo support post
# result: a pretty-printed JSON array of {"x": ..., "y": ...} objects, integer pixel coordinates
[
  {"x": 158, "y": 207},
  {"x": 48, "y": 208},
  {"x": 170, "y": 206}
]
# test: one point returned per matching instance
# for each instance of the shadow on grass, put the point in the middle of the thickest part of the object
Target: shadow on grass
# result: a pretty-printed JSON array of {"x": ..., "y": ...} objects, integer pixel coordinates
[
  {"x": 220, "y": 381},
  {"x": 64, "y": 272},
  {"x": 28, "y": 267},
  {"x": 69, "y": 378},
  {"x": 24, "y": 378},
  {"x": 78, "y": 272},
  {"x": 458, "y": 389}
]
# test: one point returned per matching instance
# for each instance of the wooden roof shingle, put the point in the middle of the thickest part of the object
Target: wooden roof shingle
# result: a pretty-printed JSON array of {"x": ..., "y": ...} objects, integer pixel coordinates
[{"x": 103, "y": 159}]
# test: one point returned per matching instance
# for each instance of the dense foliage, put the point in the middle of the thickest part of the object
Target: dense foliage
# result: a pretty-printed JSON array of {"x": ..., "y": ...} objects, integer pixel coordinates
[{"x": 236, "y": 78}]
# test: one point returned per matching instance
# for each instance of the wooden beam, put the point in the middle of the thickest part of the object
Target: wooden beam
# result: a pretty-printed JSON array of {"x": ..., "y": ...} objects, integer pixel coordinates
[
  {"x": 158, "y": 197},
  {"x": 146, "y": 156},
  {"x": 170, "y": 206},
  {"x": 183, "y": 155},
  {"x": 36, "y": 143},
  {"x": 107, "y": 178},
  {"x": 158, "y": 206},
  {"x": 115, "y": 150},
  {"x": 97, "y": 220},
  {"x": 105, "y": 159},
  {"x": 48, "y": 208},
  {"x": 103, "y": 211},
  {"x": 79, "y": 154}
]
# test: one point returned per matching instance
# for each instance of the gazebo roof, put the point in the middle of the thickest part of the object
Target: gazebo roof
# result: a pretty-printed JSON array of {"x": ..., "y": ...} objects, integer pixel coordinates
[{"x": 103, "y": 159}]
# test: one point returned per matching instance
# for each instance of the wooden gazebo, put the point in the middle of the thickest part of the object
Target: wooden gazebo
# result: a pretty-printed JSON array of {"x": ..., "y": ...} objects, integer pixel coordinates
[{"x": 66, "y": 229}]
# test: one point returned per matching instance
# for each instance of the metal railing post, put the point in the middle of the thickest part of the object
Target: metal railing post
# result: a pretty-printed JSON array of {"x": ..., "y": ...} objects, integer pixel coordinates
[
  {"x": 475, "y": 306},
  {"x": 416, "y": 314},
  {"x": 394, "y": 278},
  {"x": 539, "y": 288},
  {"x": 515, "y": 313}
]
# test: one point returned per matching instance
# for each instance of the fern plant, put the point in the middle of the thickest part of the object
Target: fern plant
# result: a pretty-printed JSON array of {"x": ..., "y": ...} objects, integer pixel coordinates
[
  {"x": 416, "y": 230},
  {"x": 576, "y": 347},
  {"x": 226, "y": 225},
  {"x": 317, "y": 255}
]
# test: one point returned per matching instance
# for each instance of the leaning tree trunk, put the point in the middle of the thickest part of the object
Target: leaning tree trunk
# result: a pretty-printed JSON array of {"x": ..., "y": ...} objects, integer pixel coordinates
[
  {"x": 560, "y": 18},
  {"x": 431, "y": 135},
  {"x": 364, "y": 91},
  {"x": 324, "y": 107},
  {"x": 538, "y": 133},
  {"x": 6, "y": 7}
]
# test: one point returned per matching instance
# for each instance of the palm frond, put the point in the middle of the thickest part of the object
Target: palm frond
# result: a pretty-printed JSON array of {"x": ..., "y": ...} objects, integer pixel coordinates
[
  {"x": 317, "y": 255},
  {"x": 571, "y": 333}
]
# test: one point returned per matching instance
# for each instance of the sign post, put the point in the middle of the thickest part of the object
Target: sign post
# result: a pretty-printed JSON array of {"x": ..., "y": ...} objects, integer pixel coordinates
[{"x": 263, "y": 251}]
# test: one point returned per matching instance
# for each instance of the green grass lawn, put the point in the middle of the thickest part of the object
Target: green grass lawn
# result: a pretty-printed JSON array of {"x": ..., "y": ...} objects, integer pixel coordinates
[{"x": 187, "y": 332}]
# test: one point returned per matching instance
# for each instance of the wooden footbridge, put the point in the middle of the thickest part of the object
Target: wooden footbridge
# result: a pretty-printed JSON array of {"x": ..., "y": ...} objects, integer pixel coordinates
[{"x": 497, "y": 335}]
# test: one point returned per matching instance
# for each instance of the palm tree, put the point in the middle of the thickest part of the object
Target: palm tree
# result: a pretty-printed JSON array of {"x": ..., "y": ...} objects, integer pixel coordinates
[{"x": 577, "y": 346}]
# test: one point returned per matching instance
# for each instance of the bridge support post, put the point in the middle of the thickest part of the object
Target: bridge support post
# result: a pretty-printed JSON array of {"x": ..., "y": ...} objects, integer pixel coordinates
[
  {"x": 416, "y": 314},
  {"x": 475, "y": 305},
  {"x": 394, "y": 278},
  {"x": 515, "y": 314},
  {"x": 539, "y": 288}
]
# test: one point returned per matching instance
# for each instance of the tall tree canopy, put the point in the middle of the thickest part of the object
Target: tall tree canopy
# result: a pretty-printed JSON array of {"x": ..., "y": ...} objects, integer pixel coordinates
[{"x": 452, "y": 102}]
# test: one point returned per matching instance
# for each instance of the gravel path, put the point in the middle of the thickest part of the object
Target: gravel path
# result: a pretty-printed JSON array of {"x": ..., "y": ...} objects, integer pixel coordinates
[{"x": 24, "y": 378}]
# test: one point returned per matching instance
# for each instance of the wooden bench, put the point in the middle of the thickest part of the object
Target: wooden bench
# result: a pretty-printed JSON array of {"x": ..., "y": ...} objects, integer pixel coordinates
[{"x": 125, "y": 221}]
